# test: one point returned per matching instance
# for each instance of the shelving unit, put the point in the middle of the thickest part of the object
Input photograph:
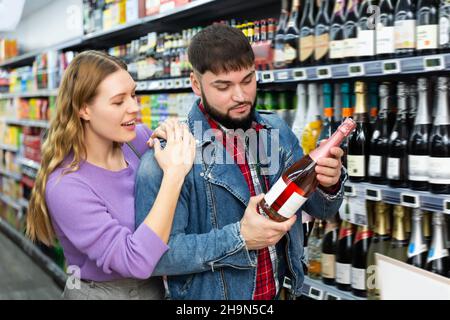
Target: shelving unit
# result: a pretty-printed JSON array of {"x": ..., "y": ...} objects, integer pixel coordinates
[
  {"x": 317, "y": 290},
  {"x": 29, "y": 123},
  {"x": 36, "y": 94}
]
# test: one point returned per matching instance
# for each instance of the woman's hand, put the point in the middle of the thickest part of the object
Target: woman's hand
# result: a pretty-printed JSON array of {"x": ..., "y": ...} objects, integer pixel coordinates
[
  {"x": 177, "y": 158},
  {"x": 161, "y": 131}
]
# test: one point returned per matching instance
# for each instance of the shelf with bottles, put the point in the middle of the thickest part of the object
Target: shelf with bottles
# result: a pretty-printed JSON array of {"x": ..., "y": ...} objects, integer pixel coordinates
[
  {"x": 316, "y": 289},
  {"x": 163, "y": 85},
  {"x": 13, "y": 175},
  {"x": 7, "y": 147},
  {"x": 31, "y": 94},
  {"x": 10, "y": 202}
]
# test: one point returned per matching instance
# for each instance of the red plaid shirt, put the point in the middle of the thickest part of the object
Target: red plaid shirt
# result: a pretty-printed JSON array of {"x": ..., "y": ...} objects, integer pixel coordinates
[{"x": 265, "y": 282}]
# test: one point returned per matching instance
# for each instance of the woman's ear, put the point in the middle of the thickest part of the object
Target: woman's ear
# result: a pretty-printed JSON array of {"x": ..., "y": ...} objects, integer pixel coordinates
[{"x": 85, "y": 113}]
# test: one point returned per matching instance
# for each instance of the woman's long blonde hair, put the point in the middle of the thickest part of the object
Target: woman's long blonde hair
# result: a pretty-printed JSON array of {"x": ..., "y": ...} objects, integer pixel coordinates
[{"x": 66, "y": 134}]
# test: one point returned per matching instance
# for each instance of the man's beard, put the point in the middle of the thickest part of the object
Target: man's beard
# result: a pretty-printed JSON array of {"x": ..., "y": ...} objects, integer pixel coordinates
[{"x": 225, "y": 120}]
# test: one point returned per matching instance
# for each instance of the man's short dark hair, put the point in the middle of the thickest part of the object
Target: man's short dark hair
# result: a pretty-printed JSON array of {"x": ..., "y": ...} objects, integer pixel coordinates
[{"x": 220, "y": 48}]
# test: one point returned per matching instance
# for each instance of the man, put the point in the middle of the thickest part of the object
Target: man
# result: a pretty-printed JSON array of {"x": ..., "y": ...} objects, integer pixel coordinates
[{"x": 219, "y": 249}]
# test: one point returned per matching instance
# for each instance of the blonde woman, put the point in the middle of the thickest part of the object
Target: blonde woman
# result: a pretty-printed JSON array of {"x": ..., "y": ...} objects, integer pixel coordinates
[{"x": 84, "y": 193}]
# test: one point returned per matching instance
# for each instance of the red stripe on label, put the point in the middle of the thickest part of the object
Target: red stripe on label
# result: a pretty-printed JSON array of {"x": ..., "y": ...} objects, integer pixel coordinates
[
  {"x": 345, "y": 232},
  {"x": 291, "y": 187},
  {"x": 363, "y": 235}
]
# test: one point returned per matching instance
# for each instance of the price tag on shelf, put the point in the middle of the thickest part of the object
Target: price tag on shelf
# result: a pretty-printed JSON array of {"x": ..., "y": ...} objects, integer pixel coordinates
[
  {"x": 153, "y": 85},
  {"x": 187, "y": 82},
  {"x": 178, "y": 83},
  {"x": 161, "y": 85},
  {"x": 446, "y": 206},
  {"x": 169, "y": 84},
  {"x": 267, "y": 76},
  {"x": 330, "y": 296},
  {"x": 391, "y": 66},
  {"x": 373, "y": 194},
  {"x": 349, "y": 190},
  {"x": 282, "y": 75},
  {"x": 409, "y": 200},
  {"x": 299, "y": 74},
  {"x": 433, "y": 63},
  {"x": 315, "y": 293},
  {"x": 353, "y": 208},
  {"x": 356, "y": 70},
  {"x": 323, "y": 72}
]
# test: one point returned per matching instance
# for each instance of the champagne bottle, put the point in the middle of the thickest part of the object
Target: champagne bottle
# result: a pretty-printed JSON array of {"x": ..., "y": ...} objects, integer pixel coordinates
[
  {"x": 380, "y": 244},
  {"x": 418, "y": 248},
  {"x": 344, "y": 256},
  {"x": 329, "y": 247},
  {"x": 359, "y": 260},
  {"x": 427, "y": 227},
  {"x": 291, "y": 37},
  {"x": 358, "y": 144},
  {"x": 427, "y": 26},
  {"x": 322, "y": 34},
  {"x": 315, "y": 250},
  {"x": 351, "y": 30},
  {"x": 313, "y": 127},
  {"x": 385, "y": 33},
  {"x": 444, "y": 25},
  {"x": 279, "y": 61},
  {"x": 438, "y": 259},
  {"x": 418, "y": 155},
  {"x": 439, "y": 165},
  {"x": 366, "y": 31},
  {"x": 301, "y": 111},
  {"x": 373, "y": 106},
  {"x": 337, "y": 104},
  {"x": 299, "y": 181},
  {"x": 329, "y": 125},
  {"x": 306, "y": 45},
  {"x": 399, "y": 241},
  {"x": 397, "y": 170},
  {"x": 347, "y": 112},
  {"x": 413, "y": 105},
  {"x": 337, "y": 32},
  {"x": 405, "y": 28}
]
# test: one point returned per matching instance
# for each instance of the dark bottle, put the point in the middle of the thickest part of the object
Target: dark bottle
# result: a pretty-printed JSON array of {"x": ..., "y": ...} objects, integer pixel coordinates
[
  {"x": 344, "y": 257},
  {"x": 418, "y": 156},
  {"x": 366, "y": 30},
  {"x": 337, "y": 32},
  {"x": 427, "y": 227},
  {"x": 306, "y": 44},
  {"x": 444, "y": 25},
  {"x": 412, "y": 106},
  {"x": 351, "y": 30},
  {"x": 263, "y": 30},
  {"x": 291, "y": 38},
  {"x": 347, "y": 112},
  {"x": 397, "y": 169},
  {"x": 399, "y": 240},
  {"x": 358, "y": 142},
  {"x": 379, "y": 142},
  {"x": 405, "y": 28},
  {"x": 427, "y": 26},
  {"x": 359, "y": 260},
  {"x": 439, "y": 167},
  {"x": 385, "y": 31},
  {"x": 278, "y": 42},
  {"x": 322, "y": 34},
  {"x": 315, "y": 250},
  {"x": 418, "y": 248},
  {"x": 380, "y": 244},
  {"x": 438, "y": 260},
  {"x": 329, "y": 247},
  {"x": 329, "y": 125},
  {"x": 373, "y": 105}
]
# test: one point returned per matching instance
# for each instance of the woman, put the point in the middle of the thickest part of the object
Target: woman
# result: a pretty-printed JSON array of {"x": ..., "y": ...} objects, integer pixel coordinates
[{"x": 84, "y": 192}]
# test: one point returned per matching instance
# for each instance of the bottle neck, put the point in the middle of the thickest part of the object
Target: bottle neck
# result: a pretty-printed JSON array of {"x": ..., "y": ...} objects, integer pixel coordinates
[
  {"x": 361, "y": 106},
  {"x": 339, "y": 8},
  {"x": 427, "y": 225},
  {"x": 442, "y": 116},
  {"x": 423, "y": 115},
  {"x": 381, "y": 224},
  {"x": 438, "y": 243},
  {"x": 399, "y": 226},
  {"x": 417, "y": 236}
]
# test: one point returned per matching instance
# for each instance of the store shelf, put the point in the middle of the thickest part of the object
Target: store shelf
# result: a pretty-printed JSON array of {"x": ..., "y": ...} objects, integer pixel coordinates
[
  {"x": 317, "y": 290},
  {"x": 29, "y": 123},
  {"x": 39, "y": 93},
  {"x": 9, "y": 174},
  {"x": 28, "y": 163},
  {"x": 8, "y": 147},
  {"x": 10, "y": 202},
  {"x": 23, "y": 203},
  {"x": 168, "y": 84},
  {"x": 375, "y": 68}
]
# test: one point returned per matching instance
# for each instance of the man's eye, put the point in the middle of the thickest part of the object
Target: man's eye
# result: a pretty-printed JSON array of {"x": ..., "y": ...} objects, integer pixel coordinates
[{"x": 222, "y": 88}]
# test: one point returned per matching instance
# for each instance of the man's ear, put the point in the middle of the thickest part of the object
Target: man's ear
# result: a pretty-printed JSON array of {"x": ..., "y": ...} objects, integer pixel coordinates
[
  {"x": 85, "y": 113},
  {"x": 195, "y": 83}
]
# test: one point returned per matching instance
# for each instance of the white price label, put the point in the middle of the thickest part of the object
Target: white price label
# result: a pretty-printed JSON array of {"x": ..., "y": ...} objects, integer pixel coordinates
[
  {"x": 267, "y": 76},
  {"x": 409, "y": 200},
  {"x": 178, "y": 83},
  {"x": 323, "y": 72},
  {"x": 391, "y": 66},
  {"x": 373, "y": 194},
  {"x": 330, "y": 296},
  {"x": 315, "y": 293},
  {"x": 446, "y": 206},
  {"x": 169, "y": 84},
  {"x": 187, "y": 82},
  {"x": 433, "y": 63},
  {"x": 153, "y": 85},
  {"x": 349, "y": 190},
  {"x": 161, "y": 85},
  {"x": 282, "y": 75},
  {"x": 299, "y": 74},
  {"x": 356, "y": 70}
]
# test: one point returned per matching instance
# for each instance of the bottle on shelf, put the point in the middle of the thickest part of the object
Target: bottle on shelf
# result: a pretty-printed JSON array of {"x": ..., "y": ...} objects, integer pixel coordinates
[
  {"x": 397, "y": 169},
  {"x": 418, "y": 248},
  {"x": 358, "y": 142},
  {"x": 351, "y": 50},
  {"x": 278, "y": 43},
  {"x": 373, "y": 106},
  {"x": 307, "y": 34},
  {"x": 315, "y": 250},
  {"x": 337, "y": 32},
  {"x": 405, "y": 28},
  {"x": 444, "y": 25},
  {"x": 329, "y": 248},
  {"x": 347, "y": 112},
  {"x": 359, "y": 260},
  {"x": 366, "y": 31},
  {"x": 291, "y": 37},
  {"x": 413, "y": 105},
  {"x": 439, "y": 148},
  {"x": 427, "y": 227},
  {"x": 329, "y": 125},
  {"x": 337, "y": 104},
  {"x": 427, "y": 27},
  {"x": 344, "y": 256},
  {"x": 399, "y": 240},
  {"x": 301, "y": 111},
  {"x": 322, "y": 34},
  {"x": 313, "y": 126},
  {"x": 418, "y": 154},
  {"x": 385, "y": 31},
  {"x": 438, "y": 260},
  {"x": 299, "y": 181}
]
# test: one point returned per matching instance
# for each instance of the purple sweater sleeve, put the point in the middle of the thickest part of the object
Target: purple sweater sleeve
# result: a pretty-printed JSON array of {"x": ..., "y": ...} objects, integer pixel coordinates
[{"x": 83, "y": 218}]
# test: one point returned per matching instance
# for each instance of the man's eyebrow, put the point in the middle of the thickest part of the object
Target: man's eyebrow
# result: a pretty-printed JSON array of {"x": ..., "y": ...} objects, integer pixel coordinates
[{"x": 229, "y": 82}]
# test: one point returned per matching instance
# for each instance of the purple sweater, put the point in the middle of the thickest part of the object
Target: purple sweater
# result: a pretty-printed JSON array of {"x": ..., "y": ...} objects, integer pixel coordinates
[{"x": 92, "y": 211}]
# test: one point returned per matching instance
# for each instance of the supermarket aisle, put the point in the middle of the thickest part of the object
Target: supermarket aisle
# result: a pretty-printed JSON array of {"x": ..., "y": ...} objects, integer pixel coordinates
[{"x": 21, "y": 278}]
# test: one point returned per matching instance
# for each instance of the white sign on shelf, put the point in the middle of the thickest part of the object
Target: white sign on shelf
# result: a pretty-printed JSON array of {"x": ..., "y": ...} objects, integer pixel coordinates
[
  {"x": 353, "y": 208},
  {"x": 178, "y": 83},
  {"x": 409, "y": 200},
  {"x": 267, "y": 76},
  {"x": 356, "y": 70},
  {"x": 299, "y": 74},
  {"x": 315, "y": 293},
  {"x": 187, "y": 83},
  {"x": 446, "y": 206},
  {"x": 161, "y": 85},
  {"x": 282, "y": 75},
  {"x": 433, "y": 63},
  {"x": 330, "y": 296},
  {"x": 373, "y": 194},
  {"x": 323, "y": 72},
  {"x": 391, "y": 66},
  {"x": 169, "y": 84}
]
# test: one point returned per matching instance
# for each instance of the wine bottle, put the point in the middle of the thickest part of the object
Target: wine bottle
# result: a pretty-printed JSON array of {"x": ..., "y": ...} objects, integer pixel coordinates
[
  {"x": 399, "y": 241},
  {"x": 347, "y": 112},
  {"x": 307, "y": 34},
  {"x": 344, "y": 257},
  {"x": 301, "y": 111},
  {"x": 373, "y": 106},
  {"x": 366, "y": 31},
  {"x": 397, "y": 170},
  {"x": 412, "y": 106},
  {"x": 313, "y": 126},
  {"x": 439, "y": 165},
  {"x": 418, "y": 248},
  {"x": 427, "y": 227},
  {"x": 329, "y": 125},
  {"x": 299, "y": 181},
  {"x": 315, "y": 250},
  {"x": 427, "y": 26},
  {"x": 337, "y": 32},
  {"x": 291, "y": 37},
  {"x": 351, "y": 30},
  {"x": 329, "y": 247},
  {"x": 444, "y": 25},
  {"x": 322, "y": 34},
  {"x": 279, "y": 61},
  {"x": 385, "y": 33},
  {"x": 405, "y": 28},
  {"x": 358, "y": 144},
  {"x": 337, "y": 104},
  {"x": 418, "y": 155},
  {"x": 380, "y": 244},
  {"x": 359, "y": 260},
  {"x": 438, "y": 259}
]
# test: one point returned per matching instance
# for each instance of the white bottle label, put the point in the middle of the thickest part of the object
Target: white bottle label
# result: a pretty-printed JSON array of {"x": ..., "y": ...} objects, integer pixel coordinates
[
  {"x": 356, "y": 165},
  {"x": 291, "y": 205},
  {"x": 343, "y": 273},
  {"x": 439, "y": 170},
  {"x": 427, "y": 37},
  {"x": 328, "y": 266},
  {"x": 405, "y": 34},
  {"x": 366, "y": 43},
  {"x": 336, "y": 49},
  {"x": 444, "y": 30},
  {"x": 393, "y": 170},
  {"x": 359, "y": 278},
  {"x": 418, "y": 168},
  {"x": 436, "y": 253},
  {"x": 414, "y": 250},
  {"x": 385, "y": 39},
  {"x": 350, "y": 48},
  {"x": 375, "y": 166}
]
